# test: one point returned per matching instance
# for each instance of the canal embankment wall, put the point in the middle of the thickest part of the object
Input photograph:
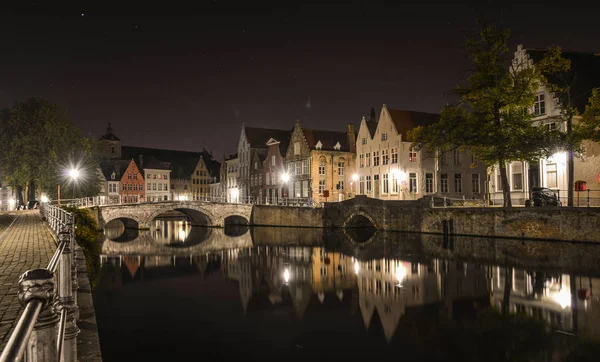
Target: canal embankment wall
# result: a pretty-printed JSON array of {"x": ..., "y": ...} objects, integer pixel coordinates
[{"x": 550, "y": 223}]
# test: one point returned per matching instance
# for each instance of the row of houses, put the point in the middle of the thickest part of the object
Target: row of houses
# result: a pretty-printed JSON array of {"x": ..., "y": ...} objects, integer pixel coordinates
[
  {"x": 139, "y": 174},
  {"x": 306, "y": 166}
]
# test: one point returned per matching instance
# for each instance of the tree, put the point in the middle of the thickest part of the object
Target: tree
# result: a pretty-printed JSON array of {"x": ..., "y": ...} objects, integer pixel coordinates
[
  {"x": 590, "y": 120},
  {"x": 37, "y": 140},
  {"x": 492, "y": 117}
]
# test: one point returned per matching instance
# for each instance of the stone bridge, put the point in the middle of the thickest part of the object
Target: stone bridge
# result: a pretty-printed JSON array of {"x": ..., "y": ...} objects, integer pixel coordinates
[{"x": 200, "y": 213}]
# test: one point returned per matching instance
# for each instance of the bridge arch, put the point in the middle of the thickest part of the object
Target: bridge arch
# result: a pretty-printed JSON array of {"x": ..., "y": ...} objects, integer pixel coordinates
[
  {"x": 359, "y": 219},
  {"x": 235, "y": 219},
  {"x": 199, "y": 216},
  {"x": 129, "y": 222}
]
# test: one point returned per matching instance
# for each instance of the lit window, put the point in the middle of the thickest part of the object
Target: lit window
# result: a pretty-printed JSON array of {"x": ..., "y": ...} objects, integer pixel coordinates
[
  {"x": 321, "y": 186},
  {"x": 412, "y": 155},
  {"x": 385, "y": 183}
]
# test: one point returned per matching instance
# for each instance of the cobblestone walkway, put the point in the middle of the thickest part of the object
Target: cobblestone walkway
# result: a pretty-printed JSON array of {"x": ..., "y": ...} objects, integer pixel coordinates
[{"x": 26, "y": 244}]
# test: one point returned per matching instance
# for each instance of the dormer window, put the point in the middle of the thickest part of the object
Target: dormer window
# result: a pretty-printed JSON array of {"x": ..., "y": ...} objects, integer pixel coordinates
[
  {"x": 337, "y": 146},
  {"x": 319, "y": 145},
  {"x": 112, "y": 176},
  {"x": 539, "y": 107}
]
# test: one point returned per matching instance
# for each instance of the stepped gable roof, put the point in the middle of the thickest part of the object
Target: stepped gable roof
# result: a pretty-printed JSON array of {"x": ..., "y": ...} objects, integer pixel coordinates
[
  {"x": 407, "y": 120},
  {"x": 109, "y": 135},
  {"x": 328, "y": 139},
  {"x": 213, "y": 166},
  {"x": 258, "y": 137},
  {"x": 584, "y": 74}
]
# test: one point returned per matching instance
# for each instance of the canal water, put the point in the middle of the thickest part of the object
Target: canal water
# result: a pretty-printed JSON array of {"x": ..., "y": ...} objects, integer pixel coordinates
[{"x": 182, "y": 293}]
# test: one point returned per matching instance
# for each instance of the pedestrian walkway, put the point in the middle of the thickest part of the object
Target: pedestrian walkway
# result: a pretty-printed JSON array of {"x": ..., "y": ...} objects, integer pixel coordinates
[{"x": 26, "y": 244}]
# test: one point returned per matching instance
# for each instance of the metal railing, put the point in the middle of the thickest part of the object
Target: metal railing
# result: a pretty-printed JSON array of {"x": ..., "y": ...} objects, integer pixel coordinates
[
  {"x": 249, "y": 200},
  {"x": 47, "y": 330}
]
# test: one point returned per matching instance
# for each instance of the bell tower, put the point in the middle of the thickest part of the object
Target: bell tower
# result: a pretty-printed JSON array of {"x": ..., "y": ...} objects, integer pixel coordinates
[{"x": 110, "y": 144}]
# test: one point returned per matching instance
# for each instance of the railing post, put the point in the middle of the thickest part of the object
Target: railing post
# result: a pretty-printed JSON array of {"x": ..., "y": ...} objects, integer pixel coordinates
[
  {"x": 588, "y": 197},
  {"x": 66, "y": 293},
  {"x": 39, "y": 284},
  {"x": 445, "y": 202}
]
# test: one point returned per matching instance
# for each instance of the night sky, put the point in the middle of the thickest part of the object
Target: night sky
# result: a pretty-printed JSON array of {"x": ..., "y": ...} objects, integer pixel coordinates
[{"x": 188, "y": 78}]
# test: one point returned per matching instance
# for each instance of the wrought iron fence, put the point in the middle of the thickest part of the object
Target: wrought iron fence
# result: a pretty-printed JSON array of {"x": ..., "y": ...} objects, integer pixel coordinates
[{"x": 47, "y": 329}]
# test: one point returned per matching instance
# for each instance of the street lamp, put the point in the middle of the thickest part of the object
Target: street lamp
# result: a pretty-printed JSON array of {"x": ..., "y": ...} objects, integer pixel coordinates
[
  {"x": 285, "y": 178},
  {"x": 74, "y": 174},
  {"x": 354, "y": 179}
]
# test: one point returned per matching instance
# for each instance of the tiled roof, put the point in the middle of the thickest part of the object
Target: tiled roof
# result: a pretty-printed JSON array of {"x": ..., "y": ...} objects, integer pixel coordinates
[
  {"x": 407, "y": 120},
  {"x": 328, "y": 139},
  {"x": 182, "y": 163},
  {"x": 258, "y": 137},
  {"x": 117, "y": 166},
  {"x": 584, "y": 74},
  {"x": 156, "y": 164}
]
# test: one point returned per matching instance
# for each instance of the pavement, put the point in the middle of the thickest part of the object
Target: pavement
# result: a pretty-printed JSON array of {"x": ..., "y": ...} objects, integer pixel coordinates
[{"x": 25, "y": 243}]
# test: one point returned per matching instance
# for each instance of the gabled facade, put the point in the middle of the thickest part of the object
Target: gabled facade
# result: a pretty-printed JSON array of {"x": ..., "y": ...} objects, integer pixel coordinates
[
  {"x": 273, "y": 168},
  {"x": 111, "y": 182},
  {"x": 387, "y": 166},
  {"x": 132, "y": 184},
  {"x": 320, "y": 164},
  {"x": 553, "y": 172},
  {"x": 253, "y": 140}
]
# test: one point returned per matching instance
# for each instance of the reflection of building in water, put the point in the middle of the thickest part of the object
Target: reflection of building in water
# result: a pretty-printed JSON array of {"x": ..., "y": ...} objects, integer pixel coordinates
[
  {"x": 390, "y": 286},
  {"x": 169, "y": 231},
  {"x": 549, "y": 297}
]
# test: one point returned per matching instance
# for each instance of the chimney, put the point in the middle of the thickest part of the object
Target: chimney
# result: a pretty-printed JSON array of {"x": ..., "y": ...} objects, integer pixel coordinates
[
  {"x": 141, "y": 162},
  {"x": 351, "y": 138}
]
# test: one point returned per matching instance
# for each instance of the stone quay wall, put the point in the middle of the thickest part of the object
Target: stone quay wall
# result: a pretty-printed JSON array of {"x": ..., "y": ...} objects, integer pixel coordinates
[{"x": 272, "y": 215}]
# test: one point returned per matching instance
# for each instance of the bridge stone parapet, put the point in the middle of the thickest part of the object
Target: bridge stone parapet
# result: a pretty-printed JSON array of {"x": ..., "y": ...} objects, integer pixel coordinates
[{"x": 200, "y": 213}]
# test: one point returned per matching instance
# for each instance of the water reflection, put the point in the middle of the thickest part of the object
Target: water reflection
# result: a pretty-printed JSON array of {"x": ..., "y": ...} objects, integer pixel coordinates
[{"x": 402, "y": 293}]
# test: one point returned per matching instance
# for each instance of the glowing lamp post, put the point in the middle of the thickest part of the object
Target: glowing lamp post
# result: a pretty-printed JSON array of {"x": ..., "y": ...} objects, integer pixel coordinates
[
  {"x": 285, "y": 178},
  {"x": 74, "y": 174},
  {"x": 354, "y": 179}
]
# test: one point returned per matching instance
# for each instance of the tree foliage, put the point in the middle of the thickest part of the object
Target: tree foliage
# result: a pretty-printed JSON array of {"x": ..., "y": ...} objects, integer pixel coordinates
[
  {"x": 37, "y": 142},
  {"x": 492, "y": 117},
  {"x": 590, "y": 122}
]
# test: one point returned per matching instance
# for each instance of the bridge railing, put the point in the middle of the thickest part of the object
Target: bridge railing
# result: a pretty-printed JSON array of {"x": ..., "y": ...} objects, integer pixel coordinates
[
  {"x": 281, "y": 201},
  {"x": 47, "y": 329}
]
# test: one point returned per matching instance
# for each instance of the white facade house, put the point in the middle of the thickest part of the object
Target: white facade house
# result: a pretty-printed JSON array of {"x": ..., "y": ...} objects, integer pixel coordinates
[
  {"x": 553, "y": 171},
  {"x": 157, "y": 178},
  {"x": 387, "y": 167}
]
